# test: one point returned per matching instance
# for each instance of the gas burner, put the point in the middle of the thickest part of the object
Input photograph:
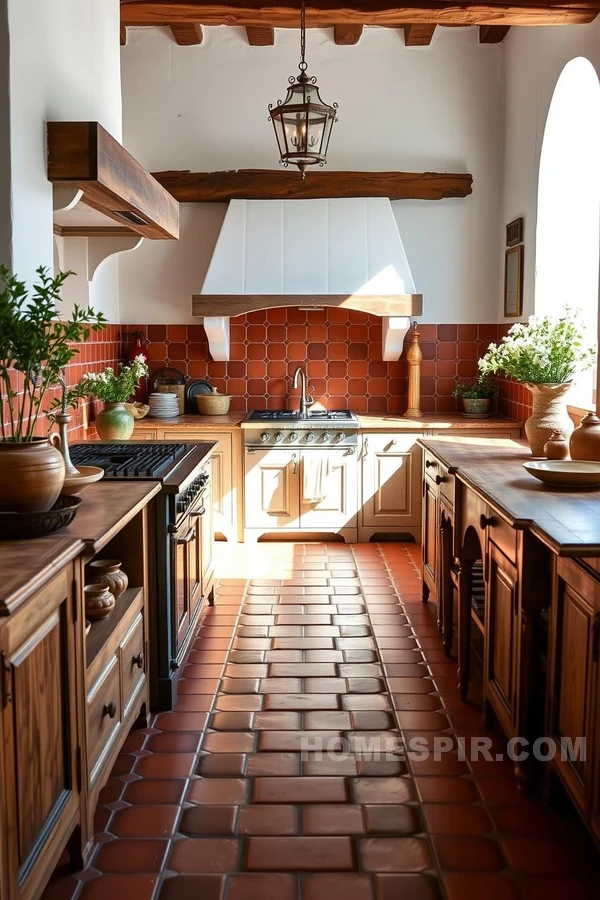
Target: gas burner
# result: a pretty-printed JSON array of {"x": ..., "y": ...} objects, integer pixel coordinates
[
  {"x": 287, "y": 415},
  {"x": 129, "y": 460}
]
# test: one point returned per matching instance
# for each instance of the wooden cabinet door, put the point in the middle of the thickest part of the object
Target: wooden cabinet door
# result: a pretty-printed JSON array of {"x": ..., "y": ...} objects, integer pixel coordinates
[
  {"x": 223, "y": 492},
  {"x": 501, "y": 635},
  {"x": 574, "y": 676},
  {"x": 339, "y": 508},
  {"x": 187, "y": 574},
  {"x": 39, "y": 728},
  {"x": 430, "y": 534},
  {"x": 391, "y": 475},
  {"x": 271, "y": 489},
  {"x": 208, "y": 530}
]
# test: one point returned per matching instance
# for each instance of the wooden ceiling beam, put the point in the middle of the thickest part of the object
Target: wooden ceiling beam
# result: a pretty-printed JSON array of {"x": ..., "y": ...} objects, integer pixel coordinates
[
  {"x": 328, "y": 13},
  {"x": 347, "y": 35},
  {"x": 273, "y": 184},
  {"x": 123, "y": 35},
  {"x": 492, "y": 34},
  {"x": 187, "y": 34},
  {"x": 418, "y": 35},
  {"x": 260, "y": 36}
]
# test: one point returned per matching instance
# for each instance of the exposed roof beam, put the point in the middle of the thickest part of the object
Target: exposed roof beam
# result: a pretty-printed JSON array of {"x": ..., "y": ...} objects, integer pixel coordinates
[
  {"x": 418, "y": 35},
  {"x": 260, "y": 35},
  {"x": 187, "y": 34},
  {"x": 347, "y": 35},
  {"x": 274, "y": 184},
  {"x": 123, "y": 35},
  {"x": 492, "y": 34},
  {"x": 327, "y": 13}
]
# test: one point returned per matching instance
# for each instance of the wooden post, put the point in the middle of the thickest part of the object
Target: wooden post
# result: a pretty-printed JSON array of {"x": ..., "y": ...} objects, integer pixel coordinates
[{"x": 414, "y": 357}]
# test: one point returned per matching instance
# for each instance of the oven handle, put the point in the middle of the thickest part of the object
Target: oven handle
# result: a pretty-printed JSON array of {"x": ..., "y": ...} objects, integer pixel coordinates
[
  {"x": 187, "y": 537},
  {"x": 198, "y": 512}
]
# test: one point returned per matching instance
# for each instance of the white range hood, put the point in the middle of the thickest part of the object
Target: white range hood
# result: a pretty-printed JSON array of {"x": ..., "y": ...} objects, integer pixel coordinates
[{"x": 343, "y": 252}]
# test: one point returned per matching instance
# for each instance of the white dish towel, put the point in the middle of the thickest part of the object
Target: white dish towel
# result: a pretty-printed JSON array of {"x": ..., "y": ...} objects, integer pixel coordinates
[{"x": 316, "y": 470}]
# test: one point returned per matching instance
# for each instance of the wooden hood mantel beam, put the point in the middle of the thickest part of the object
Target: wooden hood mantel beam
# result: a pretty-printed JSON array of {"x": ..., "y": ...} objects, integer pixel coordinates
[
  {"x": 328, "y": 13},
  {"x": 241, "y": 304},
  {"x": 275, "y": 184}
]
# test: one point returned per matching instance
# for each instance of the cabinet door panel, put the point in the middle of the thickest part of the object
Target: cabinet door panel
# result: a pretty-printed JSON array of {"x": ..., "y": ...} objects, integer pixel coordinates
[
  {"x": 430, "y": 533},
  {"x": 338, "y": 509},
  {"x": 501, "y": 631},
  {"x": 391, "y": 467},
  {"x": 223, "y": 495},
  {"x": 271, "y": 493}
]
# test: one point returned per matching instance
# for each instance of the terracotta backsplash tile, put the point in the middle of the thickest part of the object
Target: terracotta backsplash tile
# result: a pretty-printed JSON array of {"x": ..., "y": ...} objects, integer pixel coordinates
[{"x": 341, "y": 350}]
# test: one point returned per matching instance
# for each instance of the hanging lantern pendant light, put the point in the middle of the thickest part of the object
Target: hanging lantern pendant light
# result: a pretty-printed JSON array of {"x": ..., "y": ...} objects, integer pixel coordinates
[{"x": 302, "y": 122}]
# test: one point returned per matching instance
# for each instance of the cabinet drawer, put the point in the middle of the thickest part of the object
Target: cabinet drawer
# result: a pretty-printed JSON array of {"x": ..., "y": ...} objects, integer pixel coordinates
[
  {"x": 145, "y": 435},
  {"x": 431, "y": 465},
  {"x": 103, "y": 714},
  {"x": 503, "y": 535},
  {"x": 133, "y": 663}
]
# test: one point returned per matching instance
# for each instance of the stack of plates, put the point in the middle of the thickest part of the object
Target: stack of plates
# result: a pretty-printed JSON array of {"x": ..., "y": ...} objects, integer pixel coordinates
[{"x": 163, "y": 406}]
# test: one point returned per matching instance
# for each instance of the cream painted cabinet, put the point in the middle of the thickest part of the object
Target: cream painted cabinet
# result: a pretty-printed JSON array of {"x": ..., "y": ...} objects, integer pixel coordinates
[
  {"x": 339, "y": 508},
  {"x": 391, "y": 484},
  {"x": 272, "y": 489}
]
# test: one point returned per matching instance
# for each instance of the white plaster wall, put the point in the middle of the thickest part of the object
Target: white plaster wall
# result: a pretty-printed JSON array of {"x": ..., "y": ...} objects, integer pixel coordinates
[
  {"x": 533, "y": 61},
  {"x": 437, "y": 108},
  {"x": 64, "y": 65}
]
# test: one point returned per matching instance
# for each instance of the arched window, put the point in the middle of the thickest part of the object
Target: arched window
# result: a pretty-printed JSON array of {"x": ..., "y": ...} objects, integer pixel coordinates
[{"x": 568, "y": 212}]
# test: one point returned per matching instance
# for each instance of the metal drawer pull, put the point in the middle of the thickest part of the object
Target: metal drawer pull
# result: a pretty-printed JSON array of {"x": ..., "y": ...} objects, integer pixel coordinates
[
  {"x": 484, "y": 521},
  {"x": 110, "y": 709},
  {"x": 430, "y": 463},
  {"x": 439, "y": 479},
  {"x": 365, "y": 448},
  {"x": 138, "y": 661},
  {"x": 294, "y": 463},
  {"x": 6, "y": 679},
  {"x": 187, "y": 537}
]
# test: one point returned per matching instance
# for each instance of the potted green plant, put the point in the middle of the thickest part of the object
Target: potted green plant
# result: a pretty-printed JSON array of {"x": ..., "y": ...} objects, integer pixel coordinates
[
  {"x": 115, "y": 422},
  {"x": 476, "y": 395},
  {"x": 35, "y": 345},
  {"x": 544, "y": 355}
]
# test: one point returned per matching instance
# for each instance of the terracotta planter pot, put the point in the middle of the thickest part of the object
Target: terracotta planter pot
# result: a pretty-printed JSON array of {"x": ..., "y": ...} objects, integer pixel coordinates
[
  {"x": 114, "y": 423},
  {"x": 476, "y": 406},
  {"x": 31, "y": 476},
  {"x": 585, "y": 440},
  {"x": 549, "y": 415}
]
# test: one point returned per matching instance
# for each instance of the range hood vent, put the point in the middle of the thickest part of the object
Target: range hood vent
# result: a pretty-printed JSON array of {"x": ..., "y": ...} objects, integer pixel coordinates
[{"x": 343, "y": 252}]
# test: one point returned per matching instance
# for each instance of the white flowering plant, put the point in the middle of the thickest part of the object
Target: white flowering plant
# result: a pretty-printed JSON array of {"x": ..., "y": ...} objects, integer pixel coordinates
[
  {"x": 111, "y": 386},
  {"x": 546, "y": 350}
]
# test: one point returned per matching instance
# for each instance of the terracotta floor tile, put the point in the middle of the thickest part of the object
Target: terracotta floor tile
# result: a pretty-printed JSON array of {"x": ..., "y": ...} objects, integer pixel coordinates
[
  {"x": 261, "y": 887},
  {"x": 217, "y": 791},
  {"x": 151, "y": 792},
  {"x": 327, "y": 887},
  {"x": 327, "y": 721},
  {"x": 384, "y": 854},
  {"x": 181, "y": 721},
  {"x": 266, "y": 820},
  {"x": 144, "y": 821},
  {"x": 325, "y": 764},
  {"x": 382, "y": 790},
  {"x": 273, "y": 764},
  {"x": 468, "y": 854},
  {"x": 409, "y": 887},
  {"x": 365, "y": 686},
  {"x": 232, "y": 721},
  {"x": 556, "y": 887},
  {"x": 300, "y": 853},
  {"x": 193, "y": 703},
  {"x": 166, "y": 765},
  {"x": 238, "y": 702},
  {"x": 302, "y": 670},
  {"x": 365, "y": 701},
  {"x": 62, "y": 887},
  {"x": 381, "y": 767},
  {"x": 119, "y": 887},
  {"x": 229, "y": 742},
  {"x": 325, "y": 685},
  {"x": 335, "y": 819},
  {"x": 278, "y": 720},
  {"x": 198, "y": 686},
  {"x": 371, "y": 720},
  {"x": 397, "y": 820},
  {"x": 537, "y": 855},
  {"x": 456, "y": 819},
  {"x": 281, "y": 686},
  {"x": 139, "y": 857},
  {"x": 199, "y": 855},
  {"x": 300, "y": 790},
  {"x": 207, "y": 820},
  {"x": 221, "y": 764},
  {"x": 474, "y": 886},
  {"x": 296, "y": 741},
  {"x": 524, "y": 818}
]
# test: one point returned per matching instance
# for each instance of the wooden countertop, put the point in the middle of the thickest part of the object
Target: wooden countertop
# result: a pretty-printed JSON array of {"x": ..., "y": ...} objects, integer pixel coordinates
[
  {"x": 25, "y": 566},
  {"x": 105, "y": 507},
  {"x": 566, "y": 521},
  {"x": 367, "y": 423}
]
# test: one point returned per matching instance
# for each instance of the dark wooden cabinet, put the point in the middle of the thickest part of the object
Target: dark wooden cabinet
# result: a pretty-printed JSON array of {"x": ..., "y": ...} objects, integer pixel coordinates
[
  {"x": 41, "y": 763},
  {"x": 501, "y": 636},
  {"x": 430, "y": 540}
]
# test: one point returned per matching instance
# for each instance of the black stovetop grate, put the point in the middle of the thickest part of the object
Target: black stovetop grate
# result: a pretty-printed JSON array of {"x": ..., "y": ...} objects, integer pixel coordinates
[
  {"x": 265, "y": 415},
  {"x": 129, "y": 460}
]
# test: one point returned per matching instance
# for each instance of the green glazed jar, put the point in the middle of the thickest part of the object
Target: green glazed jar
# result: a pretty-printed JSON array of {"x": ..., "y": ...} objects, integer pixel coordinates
[{"x": 114, "y": 423}]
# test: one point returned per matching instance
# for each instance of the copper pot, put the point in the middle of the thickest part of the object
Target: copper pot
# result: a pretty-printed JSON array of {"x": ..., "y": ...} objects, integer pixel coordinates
[{"x": 32, "y": 474}]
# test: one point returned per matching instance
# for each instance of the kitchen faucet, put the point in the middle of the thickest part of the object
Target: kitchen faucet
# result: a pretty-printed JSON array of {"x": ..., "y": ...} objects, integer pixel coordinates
[{"x": 304, "y": 399}]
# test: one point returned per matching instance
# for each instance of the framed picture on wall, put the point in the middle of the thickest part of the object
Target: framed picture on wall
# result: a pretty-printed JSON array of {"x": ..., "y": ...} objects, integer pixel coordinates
[{"x": 513, "y": 282}]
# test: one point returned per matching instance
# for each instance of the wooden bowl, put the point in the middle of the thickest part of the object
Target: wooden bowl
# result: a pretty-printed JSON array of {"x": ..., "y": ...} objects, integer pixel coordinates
[
  {"x": 213, "y": 404},
  {"x": 565, "y": 473},
  {"x": 74, "y": 484}
]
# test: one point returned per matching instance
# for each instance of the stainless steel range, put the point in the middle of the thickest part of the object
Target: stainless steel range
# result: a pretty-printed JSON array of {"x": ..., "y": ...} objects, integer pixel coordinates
[
  {"x": 317, "y": 428},
  {"x": 181, "y": 531}
]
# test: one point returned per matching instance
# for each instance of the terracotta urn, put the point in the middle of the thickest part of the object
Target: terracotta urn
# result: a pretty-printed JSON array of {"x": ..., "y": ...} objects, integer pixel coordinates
[
  {"x": 114, "y": 423},
  {"x": 32, "y": 474},
  {"x": 585, "y": 440},
  {"x": 556, "y": 447},
  {"x": 99, "y": 602},
  {"x": 108, "y": 572},
  {"x": 549, "y": 415}
]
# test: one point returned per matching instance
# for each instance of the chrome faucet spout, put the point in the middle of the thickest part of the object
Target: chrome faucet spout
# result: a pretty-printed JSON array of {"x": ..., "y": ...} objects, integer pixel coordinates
[{"x": 300, "y": 374}]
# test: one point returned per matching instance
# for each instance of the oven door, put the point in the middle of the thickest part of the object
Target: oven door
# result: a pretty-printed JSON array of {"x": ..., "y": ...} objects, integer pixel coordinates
[{"x": 187, "y": 565}]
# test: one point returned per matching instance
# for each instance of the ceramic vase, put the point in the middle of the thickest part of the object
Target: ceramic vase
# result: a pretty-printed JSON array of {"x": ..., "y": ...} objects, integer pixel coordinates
[
  {"x": 556, "y": 447},
  {"x": 108, "y": 572},
  {"x": 32, "y": 474},
  {"x": 114, "y": 423},
  {"x": 585, "y": 440},
  {"x": 476, "y": 406},
  {"x": 99, "y": 602},
  {"x": 549, "y": 415}
]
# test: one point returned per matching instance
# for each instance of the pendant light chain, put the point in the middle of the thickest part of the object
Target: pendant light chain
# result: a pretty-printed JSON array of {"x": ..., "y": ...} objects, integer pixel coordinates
[{"x": 302, "y": 65}]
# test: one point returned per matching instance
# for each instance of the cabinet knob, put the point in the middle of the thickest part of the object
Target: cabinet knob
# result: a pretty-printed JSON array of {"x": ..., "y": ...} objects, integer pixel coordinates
[
  {"x": 138, "y": 661},
  {"x": 430, "y": 463},
  {"x": 110, "y": 709},
  {"x": 439, "y": 479},
  {"x": 485, "y": 521}
]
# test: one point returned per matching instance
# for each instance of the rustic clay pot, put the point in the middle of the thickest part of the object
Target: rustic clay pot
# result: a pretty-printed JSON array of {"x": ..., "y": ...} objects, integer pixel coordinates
[
  {"x": 585, "y": 440},
  {"x": 31, "y": 476},
  {"x": 476, "y": 406},
  {"x": 549, "y": 415},
  {"x": 99, "y": 602},
  {"x": 214, "y": 404},
  {"x": 114, "y": 423},
  {"x": 109, "y": 573},
  {"x": 556, "y": 447}
]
